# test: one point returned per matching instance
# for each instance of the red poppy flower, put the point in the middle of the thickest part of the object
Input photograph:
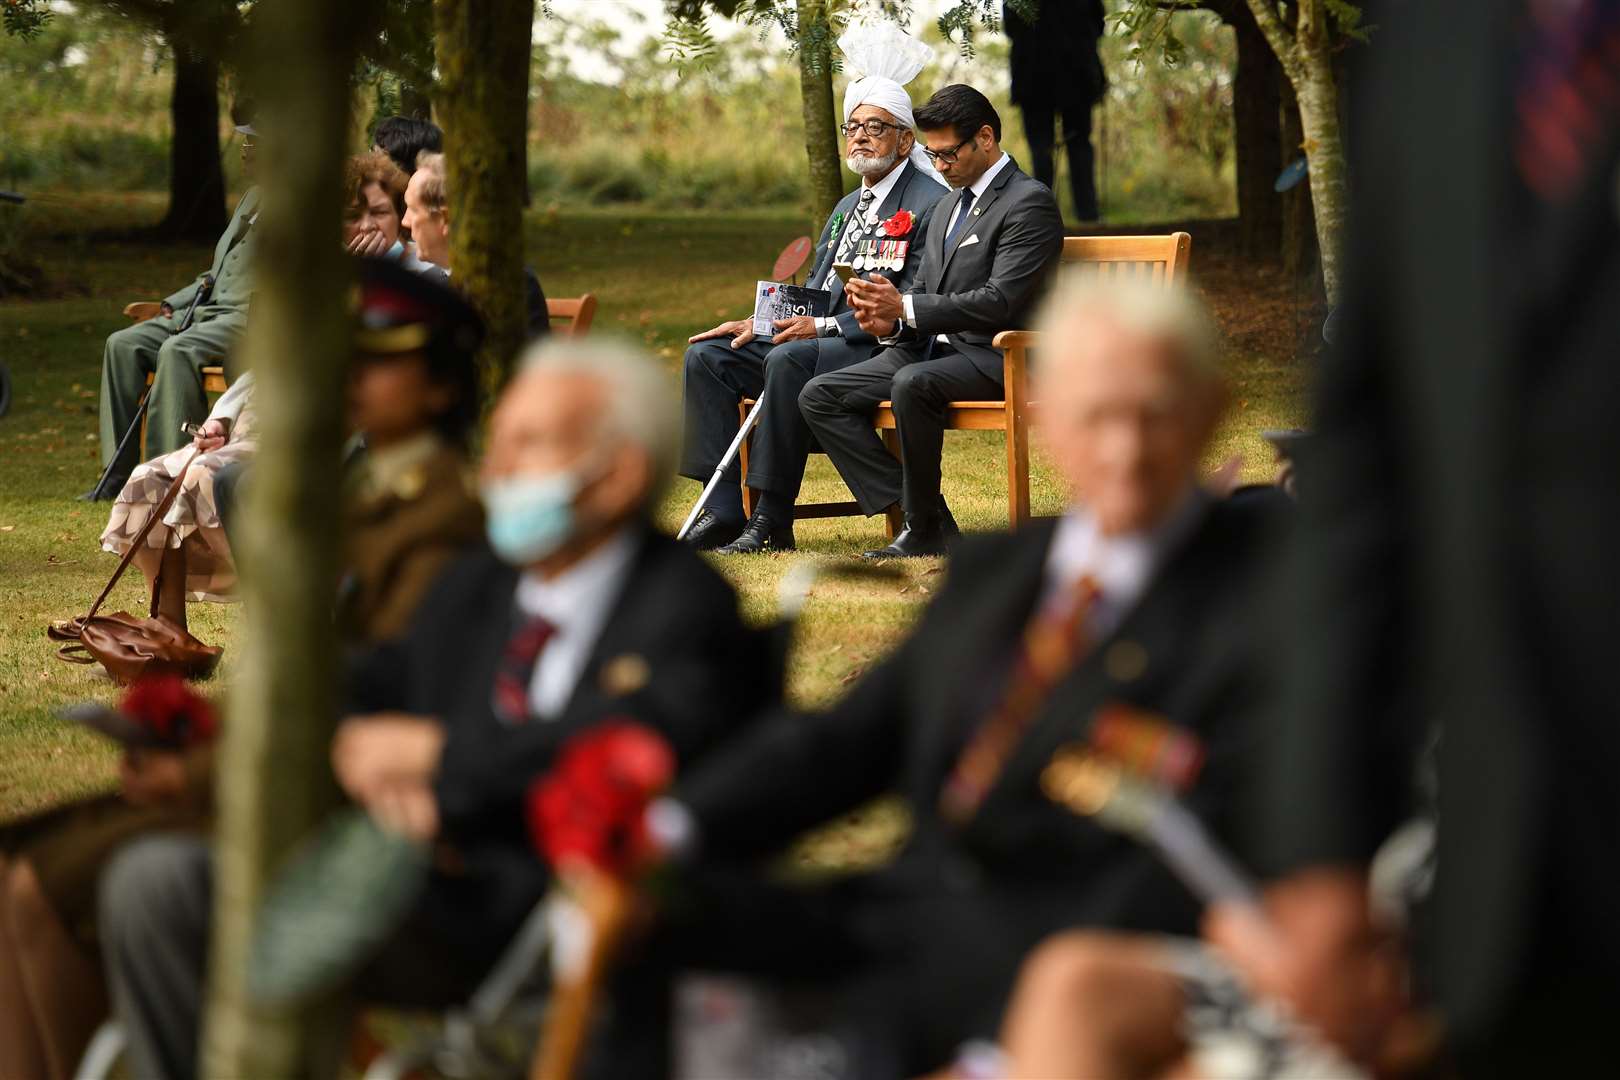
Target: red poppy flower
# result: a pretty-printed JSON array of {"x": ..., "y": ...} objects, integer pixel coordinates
[
  {"x": 170, "y": 709},
  {"x": 899, "y": 225},
  {"x": 592, "y": 806}
]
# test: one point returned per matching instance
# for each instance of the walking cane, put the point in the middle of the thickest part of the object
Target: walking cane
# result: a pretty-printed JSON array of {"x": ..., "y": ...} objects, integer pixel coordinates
[
  {"x": 140, "y": 406},
  {"x": 725, "y": 461}
]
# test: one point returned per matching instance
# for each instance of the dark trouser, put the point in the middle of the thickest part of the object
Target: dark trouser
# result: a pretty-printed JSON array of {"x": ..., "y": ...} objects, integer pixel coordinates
[
  {"x": 717, "y": 378},
  {"x": 175, "y": 362},
  {"x": 838, "y": 407},
  {"x": 155, "y": 912},
  {"x": 1040, "y": 123}
]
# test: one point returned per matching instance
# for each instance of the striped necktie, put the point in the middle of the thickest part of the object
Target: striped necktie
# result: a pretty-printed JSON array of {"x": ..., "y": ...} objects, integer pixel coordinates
[
  {"x": 516, "y": 670},
  {"x": 1053, "y": 642},
  {"x": 853, "y": 230}
]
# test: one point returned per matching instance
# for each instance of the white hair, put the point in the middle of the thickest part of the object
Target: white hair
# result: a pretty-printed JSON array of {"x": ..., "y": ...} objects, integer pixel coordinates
[
  {"x": 1171, "y": 314},
  {"x": 640, "y": 395}
]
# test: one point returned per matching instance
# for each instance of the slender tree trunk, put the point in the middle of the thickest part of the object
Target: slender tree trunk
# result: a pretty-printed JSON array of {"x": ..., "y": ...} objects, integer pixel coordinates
[
  {"x": 483, "y": 100},
  {"x": 820, "y": 113},
  {"x": 196, "y": 179},
  {"x": 1256, "y": 98},
  {"x": 275, "y": 781},
  {"x": 1305, "y": 51}
]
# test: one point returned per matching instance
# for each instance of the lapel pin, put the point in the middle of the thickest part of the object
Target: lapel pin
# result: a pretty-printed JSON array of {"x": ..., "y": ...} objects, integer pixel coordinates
[
  {"x": 624, "y": 675},
  {"x": 1125, "y": 661}
]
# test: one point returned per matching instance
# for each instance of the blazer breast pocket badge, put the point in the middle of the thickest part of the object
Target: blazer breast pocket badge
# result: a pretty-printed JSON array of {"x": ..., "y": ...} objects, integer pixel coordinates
[{"x": 625, "y": 674}]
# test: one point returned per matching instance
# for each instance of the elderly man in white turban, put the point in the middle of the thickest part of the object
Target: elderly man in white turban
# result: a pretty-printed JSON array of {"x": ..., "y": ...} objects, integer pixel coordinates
[{"x": 876, "y": 229}]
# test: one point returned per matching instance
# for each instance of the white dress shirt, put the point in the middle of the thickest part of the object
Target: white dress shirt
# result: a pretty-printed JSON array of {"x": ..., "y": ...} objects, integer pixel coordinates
[
  {"x": 1122, "y": 566},
  {"x": 577, "y": 603},
  {"x": 827, "y": 326},
  {"x": 978, "y": 187}
]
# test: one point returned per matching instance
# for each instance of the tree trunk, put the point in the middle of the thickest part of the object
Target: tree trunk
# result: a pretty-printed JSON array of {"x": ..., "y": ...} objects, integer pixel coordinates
[
  {"x": 1256, "y": 109},
  {"x": 196, "y": 179},
  {"x": 820, "y": 115},
  {"x": 1298, "y": 223},
  {"x": 275, "y": 781},
  {"x": 483, "y": 99},
  {"x": 1307, "y": 58}
]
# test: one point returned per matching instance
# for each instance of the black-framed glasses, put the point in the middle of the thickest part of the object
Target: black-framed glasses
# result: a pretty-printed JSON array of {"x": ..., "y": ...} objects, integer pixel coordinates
[
  {"x": 947, "y": 156},
  {"x": 874, "y": 128}
]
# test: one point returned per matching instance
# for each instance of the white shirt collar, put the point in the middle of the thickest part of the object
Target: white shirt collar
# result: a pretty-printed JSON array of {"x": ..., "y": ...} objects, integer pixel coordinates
[
  {"x": 585, "y": 592},
  {"x": 1122, "y": 566},
  {"x": 880, "y": 190},
  {"x": 982, "y": 184}
]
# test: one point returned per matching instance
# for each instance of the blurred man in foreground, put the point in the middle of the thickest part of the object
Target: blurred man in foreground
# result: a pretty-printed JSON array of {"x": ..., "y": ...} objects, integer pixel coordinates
[
  {"x": 577, "y": 613},
  {"x": 1139, "y": 596},
  {"x": 1456, "y": 571}
]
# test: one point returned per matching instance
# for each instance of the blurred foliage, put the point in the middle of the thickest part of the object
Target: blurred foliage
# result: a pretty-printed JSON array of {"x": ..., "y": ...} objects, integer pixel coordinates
[{"x": 613, "y": 122}]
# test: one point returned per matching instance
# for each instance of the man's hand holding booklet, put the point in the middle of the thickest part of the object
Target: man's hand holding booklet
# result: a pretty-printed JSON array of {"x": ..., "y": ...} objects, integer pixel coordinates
[{"x": 774, "y": 301}]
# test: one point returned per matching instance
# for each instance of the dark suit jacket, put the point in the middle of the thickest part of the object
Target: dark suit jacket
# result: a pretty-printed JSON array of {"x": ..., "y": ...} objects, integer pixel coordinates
[
  {"x": 963, "y": 906},
  {"x": 1054, "y": 62},
  {"x": 992, "y": 278},
  {"x": 536, "y": 316},
  {"x": 1460, "y": 522},
  {"x": 912, "y": 191},
  {"x": 702, "y": 673}
]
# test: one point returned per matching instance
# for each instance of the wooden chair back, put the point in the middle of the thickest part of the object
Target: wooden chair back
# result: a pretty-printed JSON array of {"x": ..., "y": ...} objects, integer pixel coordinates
[
  {"x": 1158, "y": 259},
  {"x": 578, "y": 314}
]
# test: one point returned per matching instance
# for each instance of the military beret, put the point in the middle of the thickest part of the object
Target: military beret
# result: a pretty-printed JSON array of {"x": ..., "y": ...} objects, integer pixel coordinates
[{"x": 399, "y": 311}]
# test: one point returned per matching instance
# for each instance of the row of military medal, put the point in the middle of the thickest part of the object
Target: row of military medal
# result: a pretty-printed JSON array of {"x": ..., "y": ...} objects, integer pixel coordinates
[{"x": 880, "y": 253}]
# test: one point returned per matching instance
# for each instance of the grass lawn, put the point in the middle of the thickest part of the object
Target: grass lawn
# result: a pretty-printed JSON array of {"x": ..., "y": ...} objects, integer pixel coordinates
[{"x": 659, "y": 277}]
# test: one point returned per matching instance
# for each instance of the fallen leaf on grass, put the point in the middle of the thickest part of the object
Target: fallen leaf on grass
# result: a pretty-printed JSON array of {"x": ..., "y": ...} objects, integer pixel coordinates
[{"x": 7, "y": 528}]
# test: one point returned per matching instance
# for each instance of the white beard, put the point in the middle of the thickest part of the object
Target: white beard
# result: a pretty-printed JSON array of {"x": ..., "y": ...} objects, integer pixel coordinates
[{"x": 866, "y": 165}]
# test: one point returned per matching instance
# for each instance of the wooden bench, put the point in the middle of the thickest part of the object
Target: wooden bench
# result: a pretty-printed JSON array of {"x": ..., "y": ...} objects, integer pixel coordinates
[
  {"x": 577, "y": 314},
  {"x": 1161, "y": 260}
]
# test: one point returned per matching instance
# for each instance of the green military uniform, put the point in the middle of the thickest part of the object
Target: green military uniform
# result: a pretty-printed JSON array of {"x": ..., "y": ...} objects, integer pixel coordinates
[
  {"x": 410, "y": 511},
  {"x": 176, "y": 360}
]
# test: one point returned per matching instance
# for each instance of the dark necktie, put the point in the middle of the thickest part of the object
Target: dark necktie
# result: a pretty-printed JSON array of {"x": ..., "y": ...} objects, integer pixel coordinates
[
  {"x": 516, "y": 671},
  {"x": 961, "y": 218},
  {"x": 853, "y": 229},
  {"x": 1568, "y": 95},
  {"x": 1053, "y": 642}
]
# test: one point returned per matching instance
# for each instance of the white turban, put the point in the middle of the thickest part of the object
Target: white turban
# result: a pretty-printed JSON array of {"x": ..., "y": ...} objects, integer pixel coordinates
[{"x": 884, "y": 58}]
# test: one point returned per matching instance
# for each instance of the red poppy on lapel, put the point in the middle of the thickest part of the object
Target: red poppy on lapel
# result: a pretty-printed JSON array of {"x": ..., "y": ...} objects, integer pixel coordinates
[{"x": 900, "y": 224}]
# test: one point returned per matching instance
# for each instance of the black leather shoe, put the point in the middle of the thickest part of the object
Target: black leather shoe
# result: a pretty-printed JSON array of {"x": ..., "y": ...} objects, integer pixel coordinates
[
  {"x": 914, "y": 541},
  {"x": 709, "y": 532},
  {"x": 106, "y": 493},
  {"x": 762, "y": 533}
]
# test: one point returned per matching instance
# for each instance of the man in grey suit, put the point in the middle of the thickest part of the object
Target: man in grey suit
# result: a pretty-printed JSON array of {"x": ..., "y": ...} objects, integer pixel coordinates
[
  {"x": 884, "y": 221},
  {"x": 989, "y": 252},
  {"x": 173, "y": 354}
]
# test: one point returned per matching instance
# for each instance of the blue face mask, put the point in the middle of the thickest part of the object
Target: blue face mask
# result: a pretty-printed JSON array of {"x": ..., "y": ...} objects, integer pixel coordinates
[{"x": 529, "y": 517}]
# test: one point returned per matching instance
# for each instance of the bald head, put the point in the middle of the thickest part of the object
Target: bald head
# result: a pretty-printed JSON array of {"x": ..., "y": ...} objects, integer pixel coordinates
[{"x": 1129, "y": 390}]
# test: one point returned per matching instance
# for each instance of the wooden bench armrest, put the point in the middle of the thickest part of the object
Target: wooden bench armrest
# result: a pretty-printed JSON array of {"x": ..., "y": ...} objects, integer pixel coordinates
[
  {"x": 1026, "y": 339},
  {"x": 141, "y": 310}
]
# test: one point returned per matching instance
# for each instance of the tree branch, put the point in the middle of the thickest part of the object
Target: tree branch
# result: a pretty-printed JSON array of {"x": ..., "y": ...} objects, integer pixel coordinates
[{"x": 1278, "y": 36}]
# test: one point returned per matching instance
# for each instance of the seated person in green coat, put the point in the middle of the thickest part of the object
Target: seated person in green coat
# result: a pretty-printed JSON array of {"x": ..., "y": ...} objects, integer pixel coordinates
[{"x": 173, "y": 356}]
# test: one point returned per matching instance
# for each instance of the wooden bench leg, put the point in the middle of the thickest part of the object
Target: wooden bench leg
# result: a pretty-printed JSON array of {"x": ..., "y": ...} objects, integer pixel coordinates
[
  {"x": 894, "y": 519},
  {"x": 1017, "y": 471},
  {"x": 742, "y": 463}
]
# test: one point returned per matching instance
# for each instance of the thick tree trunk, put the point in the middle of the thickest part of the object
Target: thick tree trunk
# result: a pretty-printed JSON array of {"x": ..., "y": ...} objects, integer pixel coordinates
[
  {"x": 483, "y": 100},
  {"x": 196, "y": 179},
  {"x": 275, "y": 781},
  {"x": 1256, "y": 109},
  {"x": 820, "y": 115},
  {"x": 1306, "y": 55}
]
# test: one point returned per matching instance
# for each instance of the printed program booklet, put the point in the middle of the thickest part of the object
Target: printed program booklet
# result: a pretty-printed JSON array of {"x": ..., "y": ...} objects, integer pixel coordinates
[{"x": 773, "y": 300}]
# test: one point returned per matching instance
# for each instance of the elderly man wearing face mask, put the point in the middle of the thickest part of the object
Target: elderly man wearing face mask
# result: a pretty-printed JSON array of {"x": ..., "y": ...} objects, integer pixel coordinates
[
  {"x": 578, "y": 612},
  {"x": 878, "y": 229}
]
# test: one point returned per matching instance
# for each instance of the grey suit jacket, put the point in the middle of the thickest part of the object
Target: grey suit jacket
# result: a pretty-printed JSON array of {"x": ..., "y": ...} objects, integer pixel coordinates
[
  {"x": 992, "y": 277},
  {"x": 914, "y": 192},
  {"x": 232, "y": 268}
]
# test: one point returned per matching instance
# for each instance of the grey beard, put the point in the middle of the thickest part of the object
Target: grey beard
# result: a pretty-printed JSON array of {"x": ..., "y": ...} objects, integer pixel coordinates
[{"x": 871, "y": 166}]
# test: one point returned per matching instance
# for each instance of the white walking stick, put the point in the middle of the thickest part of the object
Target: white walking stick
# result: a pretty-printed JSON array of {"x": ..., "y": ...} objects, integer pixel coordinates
[{"x": 714, "y": 481}]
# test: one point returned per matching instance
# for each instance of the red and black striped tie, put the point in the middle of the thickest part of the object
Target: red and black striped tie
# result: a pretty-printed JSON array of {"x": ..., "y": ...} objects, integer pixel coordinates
[{"x": 516, "y": 672}]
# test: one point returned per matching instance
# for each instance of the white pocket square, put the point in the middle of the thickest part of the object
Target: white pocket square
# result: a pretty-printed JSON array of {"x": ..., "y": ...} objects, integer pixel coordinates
[{"x": 969, "y": 242}]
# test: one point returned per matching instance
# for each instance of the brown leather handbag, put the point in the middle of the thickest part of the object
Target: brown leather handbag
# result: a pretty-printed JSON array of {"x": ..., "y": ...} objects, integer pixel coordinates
[{"x": 129, "y": 646}]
